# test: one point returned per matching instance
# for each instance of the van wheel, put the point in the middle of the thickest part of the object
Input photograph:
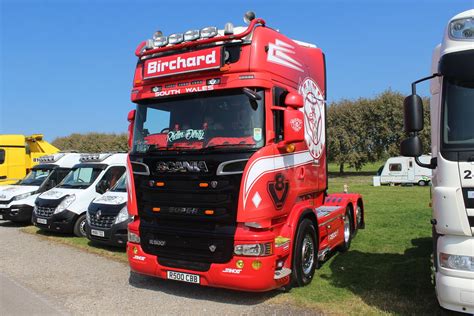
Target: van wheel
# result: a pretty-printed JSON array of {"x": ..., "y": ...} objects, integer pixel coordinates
[
  {"x": 422, "y": 183},
  {"x": 348, "y": 230},
  {"x": 80, "y": 226},
  {"x": 304, "y": 254}
]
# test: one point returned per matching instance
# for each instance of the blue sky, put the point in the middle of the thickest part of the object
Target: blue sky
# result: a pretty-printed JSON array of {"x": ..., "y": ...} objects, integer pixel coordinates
[{"x": 67, "y": 66}]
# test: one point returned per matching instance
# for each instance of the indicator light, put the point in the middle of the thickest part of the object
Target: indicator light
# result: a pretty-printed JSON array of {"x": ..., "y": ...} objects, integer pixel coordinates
[
  {"x": 203, "y": 185},
  {"x": 239, "y": 264},
  {"x": 290, "y": 148},
  {"x": 135, "y": 250},
  {"x": 209, "y": 212},
  {"x": 256, "y": 264},
  {"x": 160, "y": 184},
  {"x": 156, "y": 209}
]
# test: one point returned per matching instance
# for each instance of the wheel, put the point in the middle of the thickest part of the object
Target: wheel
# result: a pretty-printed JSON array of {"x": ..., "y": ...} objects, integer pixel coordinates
[
  {"x": 348, "y": 231},
  {"x": 359, "y": 216},
  {"x": 422, "y": 183},
  {"x": 80, "y": 226},
  {"x": 304, "y": 254}
]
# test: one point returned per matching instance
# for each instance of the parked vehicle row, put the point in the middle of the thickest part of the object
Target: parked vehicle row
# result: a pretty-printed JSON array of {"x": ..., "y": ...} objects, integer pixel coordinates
[{"x": 60, "y": 191}]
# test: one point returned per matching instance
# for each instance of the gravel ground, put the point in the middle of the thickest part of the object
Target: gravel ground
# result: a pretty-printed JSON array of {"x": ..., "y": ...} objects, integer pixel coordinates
[{"x": 70, "y": 281}]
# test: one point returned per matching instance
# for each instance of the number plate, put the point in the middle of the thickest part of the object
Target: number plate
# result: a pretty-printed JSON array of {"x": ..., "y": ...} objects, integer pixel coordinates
[
  {"x": 183, "y": 277},
  {"x": 99, "y": 233},
  {"x": 42, "y": 221}
]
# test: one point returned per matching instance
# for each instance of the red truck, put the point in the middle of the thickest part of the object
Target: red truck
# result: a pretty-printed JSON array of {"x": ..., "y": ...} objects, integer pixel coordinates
[{"x": 227, "y": 180}]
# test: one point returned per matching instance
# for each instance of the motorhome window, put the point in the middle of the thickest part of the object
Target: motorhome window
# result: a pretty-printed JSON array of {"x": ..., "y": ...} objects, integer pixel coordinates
[
  {"x": 2, "y": 156},
  {"x": 217, "y": 120},
  {"x": 36, "y": 177},
  {"x": 112, "y": 176},
  {"x": 410, "y": 164},
  {"x": 395, "y": 167},
  {"x": 80, "y": 178},
  {"x": 458, "y": 111}
]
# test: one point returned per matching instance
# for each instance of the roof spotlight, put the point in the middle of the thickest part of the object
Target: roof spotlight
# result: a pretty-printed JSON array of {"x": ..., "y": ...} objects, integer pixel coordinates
[
  {"x": 228, "y": 29},
  {"x": 249, "y": 16},
  {"x": 191, "y": 35},
  {"x": 176, "y": 38},
  {"x": 209, "y": 32}
]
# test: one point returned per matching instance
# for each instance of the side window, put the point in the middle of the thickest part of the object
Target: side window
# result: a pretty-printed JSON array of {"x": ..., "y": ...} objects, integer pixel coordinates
[
  {"x": 2, "y": 156},
  {"x": 279, "y": 95},
  {"x": 111, "y": 177},
  {"x": 410, "y": 164},
  {"x": 395, "y": 167}
]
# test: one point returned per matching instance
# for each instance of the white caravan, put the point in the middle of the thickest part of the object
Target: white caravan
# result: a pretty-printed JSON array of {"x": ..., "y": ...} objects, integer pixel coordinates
[
  {"x": 404, "y": 170},
  {"x": 18, "y": 200},
  {"x": 63, "y": 209},
  {"x": 452, "y": 148}
]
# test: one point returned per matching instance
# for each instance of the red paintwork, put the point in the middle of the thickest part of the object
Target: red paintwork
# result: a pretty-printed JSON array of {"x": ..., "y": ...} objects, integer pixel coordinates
[{"x": 304, "y": 170}]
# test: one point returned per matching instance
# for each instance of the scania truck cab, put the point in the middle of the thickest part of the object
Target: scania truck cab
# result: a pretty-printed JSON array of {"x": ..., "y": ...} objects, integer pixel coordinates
[
  {"x": 108, "y": 218},
  {"x": 452, "y": 148},
  {"x": 227, "y": 171},
  {"x": 19, "y": 153},
  {"x": 17, "y": 201},
  {"x": 63, "y": 209}
]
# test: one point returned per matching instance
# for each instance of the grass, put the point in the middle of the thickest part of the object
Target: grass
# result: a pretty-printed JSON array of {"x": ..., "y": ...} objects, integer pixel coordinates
[{"x": 386, "y": 271}]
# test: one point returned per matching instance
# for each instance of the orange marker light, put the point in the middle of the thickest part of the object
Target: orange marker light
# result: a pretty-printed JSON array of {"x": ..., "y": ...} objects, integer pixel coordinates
[
  {"x": 156, "y": 209},
  {"x": 209, "y": 212},
  {"x": 203, "y": 185},
  {"x": 160, "y": 184}
]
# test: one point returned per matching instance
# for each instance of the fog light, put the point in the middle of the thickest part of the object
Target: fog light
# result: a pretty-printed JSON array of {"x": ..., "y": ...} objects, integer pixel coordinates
[
  {"x": 290, "y": 148},
  {"x": 239, "y": 264},
  {"x": 256, "y": 264}
]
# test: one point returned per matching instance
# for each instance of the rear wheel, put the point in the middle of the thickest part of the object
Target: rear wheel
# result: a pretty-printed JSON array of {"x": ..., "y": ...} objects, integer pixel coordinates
[
  {"x": 348, "y": 230},
  {"x": 359, "y": 216},
  {"x": 80, "y": 226},
  {"x": 304, "y": 254},
  {"x": 422, "y": 183}
]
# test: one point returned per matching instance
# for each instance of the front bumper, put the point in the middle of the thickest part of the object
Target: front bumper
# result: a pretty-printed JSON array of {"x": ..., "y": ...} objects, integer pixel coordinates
[
  {"x": 455, "y": 288},
  {"x": 225, "y": 275},
  {"x": 17, "y": 213},
  {"x": 113, "y": 236},
  {"x": 62, "y": 222}
]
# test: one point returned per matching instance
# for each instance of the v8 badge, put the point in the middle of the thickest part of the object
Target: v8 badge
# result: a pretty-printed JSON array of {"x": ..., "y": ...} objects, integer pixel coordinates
[{"x": 278, "y": 190}]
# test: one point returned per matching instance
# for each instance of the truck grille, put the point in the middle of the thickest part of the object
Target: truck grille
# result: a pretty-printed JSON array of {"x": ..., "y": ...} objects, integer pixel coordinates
[
  {"x": 45, "y": 211},
  {"x": 102, "y": 221}
]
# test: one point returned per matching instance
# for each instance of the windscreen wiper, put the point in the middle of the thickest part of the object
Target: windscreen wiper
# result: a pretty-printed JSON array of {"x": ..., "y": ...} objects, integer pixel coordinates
[{"x": 229, "y": 145}]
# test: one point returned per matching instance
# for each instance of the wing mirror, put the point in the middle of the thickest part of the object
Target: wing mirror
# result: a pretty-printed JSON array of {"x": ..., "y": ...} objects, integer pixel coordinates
[{"x": 294, "y": 100}]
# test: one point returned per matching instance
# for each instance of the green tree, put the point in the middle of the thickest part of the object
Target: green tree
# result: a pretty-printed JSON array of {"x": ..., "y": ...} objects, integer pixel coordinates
[{"x": 92, "y": 142}]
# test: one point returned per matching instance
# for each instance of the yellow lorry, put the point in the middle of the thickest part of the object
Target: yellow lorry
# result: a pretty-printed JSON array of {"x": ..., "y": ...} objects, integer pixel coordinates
[{"x": 19, "y": 153}]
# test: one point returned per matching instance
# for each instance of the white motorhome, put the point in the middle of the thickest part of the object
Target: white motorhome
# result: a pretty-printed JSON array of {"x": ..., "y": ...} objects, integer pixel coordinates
[
  {"x": 63, "y": 209},
  {"x": 17, "y": 201},
  {"x": 404, "y": 170},
  {"x": 452, "y": 148}
]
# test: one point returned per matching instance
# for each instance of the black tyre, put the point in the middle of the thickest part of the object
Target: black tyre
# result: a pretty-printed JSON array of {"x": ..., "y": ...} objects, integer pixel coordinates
[
  {"x": 304, "y": 254},
  {"x": 348, "y": 230},
  {"x": 80, "y": 226},
  {"x": 359, "y": 215},
  {"x": 422, "y": 183}
]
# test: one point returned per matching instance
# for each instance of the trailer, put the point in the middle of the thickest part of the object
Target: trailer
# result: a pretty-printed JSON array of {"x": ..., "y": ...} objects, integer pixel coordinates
[
  {"x": 404, "y": 170},
  {"x": 452, "y": 147},
  {"x": 227, "y": 174}
]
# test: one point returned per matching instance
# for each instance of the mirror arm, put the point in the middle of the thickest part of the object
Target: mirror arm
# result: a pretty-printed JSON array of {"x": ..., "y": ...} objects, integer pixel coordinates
[
  {"x": 432, "y": 165},
  {"x": 413, "y": 85}
]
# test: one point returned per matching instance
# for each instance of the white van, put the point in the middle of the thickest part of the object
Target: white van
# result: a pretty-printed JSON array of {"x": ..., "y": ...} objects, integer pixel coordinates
[
  {"x": 404, "y": 170},
  {"x": 63, "y": 209},
  {"x": 18, "y": 200}
]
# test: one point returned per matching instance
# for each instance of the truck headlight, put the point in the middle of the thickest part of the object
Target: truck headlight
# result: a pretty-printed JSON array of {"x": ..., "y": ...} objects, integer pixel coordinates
[
  {"x": 22, "y": 196},
  {"x": 462, "y": 28},
  {"x": 254, "y": 250},
  {"x": 65, "y": 203},
  {"x": 456, "y": 262},
  {"x": 132, "y": 237},
  {"x": 122, "y": 216}
]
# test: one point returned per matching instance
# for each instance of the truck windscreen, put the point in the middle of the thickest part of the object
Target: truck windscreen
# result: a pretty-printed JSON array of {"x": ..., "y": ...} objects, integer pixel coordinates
[
  {"x": 458, "y": 128},
  {"x": 227, "y": 119},
  {"x": 36, "y": 177}
]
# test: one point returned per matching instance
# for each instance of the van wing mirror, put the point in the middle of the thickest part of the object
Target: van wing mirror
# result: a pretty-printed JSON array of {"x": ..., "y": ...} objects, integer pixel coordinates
[
  {"x": 413, "y": 113},
  {"x": 293, "y": 126}
]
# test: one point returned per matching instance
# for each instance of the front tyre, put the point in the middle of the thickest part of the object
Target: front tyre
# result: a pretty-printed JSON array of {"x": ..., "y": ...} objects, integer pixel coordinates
[
  {"x": 80, "y": 226},
  {"x": 304, "y": 254}
]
